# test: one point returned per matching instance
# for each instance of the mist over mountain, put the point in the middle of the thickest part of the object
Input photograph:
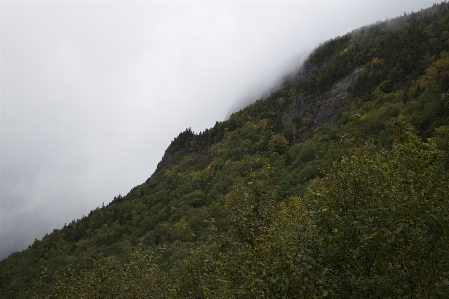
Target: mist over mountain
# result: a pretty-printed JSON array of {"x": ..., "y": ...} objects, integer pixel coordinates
[
  {"x": 93, "y": 93},
  {"x": 267, "y": 85},
  {"x": 328, "y": 180}
]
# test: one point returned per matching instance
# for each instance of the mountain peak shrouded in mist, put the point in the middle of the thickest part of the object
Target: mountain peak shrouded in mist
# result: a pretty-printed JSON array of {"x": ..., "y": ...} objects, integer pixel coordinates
[
  {"x": 350, "y": 145},
  {"x": 270, "y": 83},
  {"x": 93, "y": 93}
]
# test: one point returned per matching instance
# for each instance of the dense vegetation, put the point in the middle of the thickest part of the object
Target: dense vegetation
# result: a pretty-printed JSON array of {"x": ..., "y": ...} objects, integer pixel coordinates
[{"x": 274, "y": 203}]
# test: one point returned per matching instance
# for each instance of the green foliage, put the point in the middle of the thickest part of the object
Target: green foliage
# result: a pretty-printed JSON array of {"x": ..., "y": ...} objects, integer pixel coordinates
[
  {"x": 272, "y": 204},
  {"x": 382, "y": 224},
  {"x": 259, "y": 258},
  {"x": 137, "y": 276}
]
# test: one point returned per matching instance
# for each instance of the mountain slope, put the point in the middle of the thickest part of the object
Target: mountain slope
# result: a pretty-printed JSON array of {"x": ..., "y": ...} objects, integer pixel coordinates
[{"x": 236, "y": 194}]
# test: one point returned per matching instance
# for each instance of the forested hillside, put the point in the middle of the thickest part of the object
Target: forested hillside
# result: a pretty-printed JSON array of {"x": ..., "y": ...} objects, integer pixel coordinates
[{"x": 336, "y": 185}]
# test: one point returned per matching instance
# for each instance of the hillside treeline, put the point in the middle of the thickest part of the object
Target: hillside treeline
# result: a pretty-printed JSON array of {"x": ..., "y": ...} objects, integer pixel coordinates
[{"x": 333, "y": 186}]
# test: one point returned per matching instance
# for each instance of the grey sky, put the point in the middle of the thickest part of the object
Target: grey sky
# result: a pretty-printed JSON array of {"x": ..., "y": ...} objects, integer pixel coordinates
[{"x": 92, "y": 93}]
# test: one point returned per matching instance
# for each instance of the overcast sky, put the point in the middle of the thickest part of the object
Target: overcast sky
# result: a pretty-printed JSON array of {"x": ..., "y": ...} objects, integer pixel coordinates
[{"x": 92, "y": 93}]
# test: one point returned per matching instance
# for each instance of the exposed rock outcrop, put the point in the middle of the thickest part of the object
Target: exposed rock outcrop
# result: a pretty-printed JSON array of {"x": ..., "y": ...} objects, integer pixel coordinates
[
  {"x": 329, "y": 105},
  {"x": 324, "y": 109}
]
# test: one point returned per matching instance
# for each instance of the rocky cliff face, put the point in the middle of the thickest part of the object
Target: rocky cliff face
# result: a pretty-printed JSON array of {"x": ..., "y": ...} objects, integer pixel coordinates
[
  {"x": 318, "y": 110},
  {"x": 329, "y": 105},
  {"x": 322, "y": 110}
]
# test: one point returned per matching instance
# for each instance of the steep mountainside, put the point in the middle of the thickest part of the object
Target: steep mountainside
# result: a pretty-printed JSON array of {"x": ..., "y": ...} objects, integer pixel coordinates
[{"x": 334, "y": 185}]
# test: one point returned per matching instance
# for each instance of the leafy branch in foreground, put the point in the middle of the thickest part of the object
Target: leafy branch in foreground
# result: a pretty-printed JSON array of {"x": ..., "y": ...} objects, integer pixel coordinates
[
  {"x": 137, "y": 276},
  {"x": 382, "y": 224}
]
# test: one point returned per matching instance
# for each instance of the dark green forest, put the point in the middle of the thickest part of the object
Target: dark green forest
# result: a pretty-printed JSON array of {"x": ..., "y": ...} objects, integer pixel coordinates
[{"x": 334, "y": 186}]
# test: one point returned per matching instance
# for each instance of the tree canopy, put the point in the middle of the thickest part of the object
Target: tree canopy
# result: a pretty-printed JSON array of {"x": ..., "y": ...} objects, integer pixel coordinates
[{"x": 333, "y": 186}]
